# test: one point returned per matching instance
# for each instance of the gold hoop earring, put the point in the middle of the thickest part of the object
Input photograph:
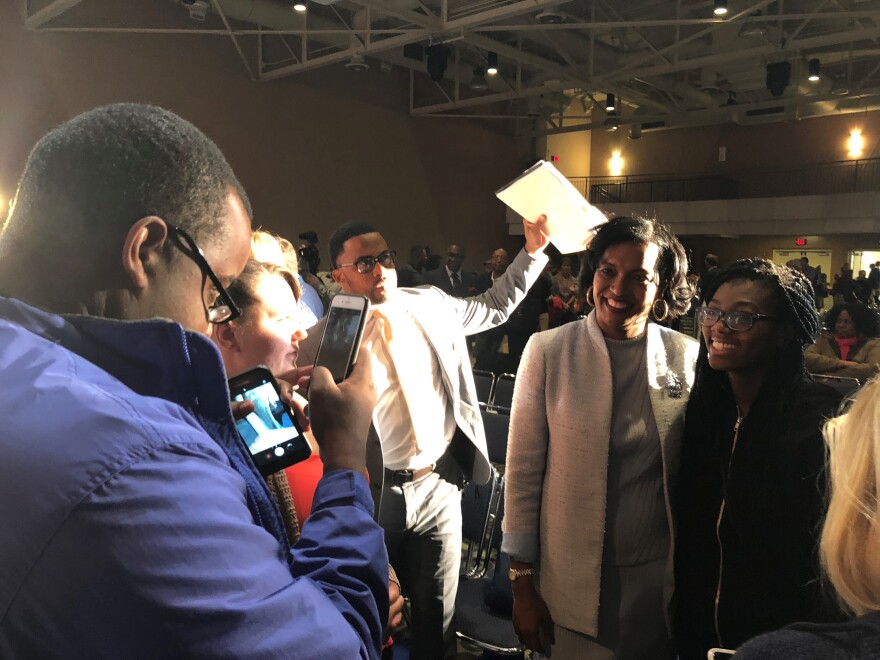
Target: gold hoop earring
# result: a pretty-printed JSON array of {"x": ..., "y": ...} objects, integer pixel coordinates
[
  {"x": 591, "y": 303},
  {"x": 660, "y": 317}
]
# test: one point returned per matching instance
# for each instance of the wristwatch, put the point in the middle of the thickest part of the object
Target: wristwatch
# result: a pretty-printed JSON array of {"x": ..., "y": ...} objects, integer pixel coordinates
[{"x": 516, "y": 573}]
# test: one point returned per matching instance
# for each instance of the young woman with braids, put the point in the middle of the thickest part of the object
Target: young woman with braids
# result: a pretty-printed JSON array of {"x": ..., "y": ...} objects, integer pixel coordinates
[{"x": 752, "y": 486}]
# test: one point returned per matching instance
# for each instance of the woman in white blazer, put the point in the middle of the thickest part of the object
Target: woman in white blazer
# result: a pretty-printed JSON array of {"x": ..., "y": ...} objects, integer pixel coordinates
[{"x": 594, "y": 448}]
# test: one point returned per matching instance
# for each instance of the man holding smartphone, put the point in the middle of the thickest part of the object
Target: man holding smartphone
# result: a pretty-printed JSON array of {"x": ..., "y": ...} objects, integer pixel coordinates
[
  {"x": 427, "y": 417},
  {"x": 137, "y": 524}
]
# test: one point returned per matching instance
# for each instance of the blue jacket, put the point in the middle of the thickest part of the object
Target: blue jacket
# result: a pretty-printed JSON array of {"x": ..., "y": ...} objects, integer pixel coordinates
[{"x": 134, "y": 523}]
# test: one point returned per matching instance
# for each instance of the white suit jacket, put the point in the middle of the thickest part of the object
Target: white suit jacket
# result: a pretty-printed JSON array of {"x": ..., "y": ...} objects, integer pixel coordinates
[
  {"x": 557, "y": 457},
  {"x": 445, "y": 322}
]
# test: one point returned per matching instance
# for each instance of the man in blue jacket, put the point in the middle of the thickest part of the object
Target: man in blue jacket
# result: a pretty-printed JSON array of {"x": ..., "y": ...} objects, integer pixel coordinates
[{"x": 135, "y": 523}]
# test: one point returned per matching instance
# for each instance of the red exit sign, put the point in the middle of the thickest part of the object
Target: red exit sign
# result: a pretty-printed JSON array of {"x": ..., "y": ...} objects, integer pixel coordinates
[{"x": 800, "y": 242}]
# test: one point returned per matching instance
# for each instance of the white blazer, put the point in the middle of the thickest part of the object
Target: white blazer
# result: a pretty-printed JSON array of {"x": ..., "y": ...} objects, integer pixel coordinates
[{"x": 557, "y": 458}]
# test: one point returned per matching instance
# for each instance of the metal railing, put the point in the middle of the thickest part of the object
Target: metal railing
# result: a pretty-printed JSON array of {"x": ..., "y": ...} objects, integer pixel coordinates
[{"x": 819, "y": 179}]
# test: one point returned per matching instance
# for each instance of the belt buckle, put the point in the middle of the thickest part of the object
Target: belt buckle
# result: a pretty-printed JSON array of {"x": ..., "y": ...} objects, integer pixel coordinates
[{"x": 403, "y": 476}]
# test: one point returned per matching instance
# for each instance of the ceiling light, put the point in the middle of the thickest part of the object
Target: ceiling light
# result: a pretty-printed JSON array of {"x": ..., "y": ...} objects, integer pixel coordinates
[
  {"x": 840, "y": 85},
  {"x": 720, "y": 7},
  {"x": 612, "y": 122},
  {"x": 609, "y": 103},
  {"x": 815, "y": 66},
  {"x": 635, "y": 131},
  {"x": 731, "y": 98},
  {"x": 299, "y": 6},
  {"x": 357, "y": 63},
  {"x": 492, "y": 61},
  {"x": 478, "y": 82}
]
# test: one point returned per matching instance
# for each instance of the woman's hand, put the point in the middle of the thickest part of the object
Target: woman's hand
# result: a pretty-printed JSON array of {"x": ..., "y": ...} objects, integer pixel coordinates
[{"x": 531, "y": 618}]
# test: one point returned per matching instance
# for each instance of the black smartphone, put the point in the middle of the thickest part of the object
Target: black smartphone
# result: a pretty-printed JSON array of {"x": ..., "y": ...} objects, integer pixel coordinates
[
  {"x": 343, "y": 330},
  {"x": 271, "y": 432}
]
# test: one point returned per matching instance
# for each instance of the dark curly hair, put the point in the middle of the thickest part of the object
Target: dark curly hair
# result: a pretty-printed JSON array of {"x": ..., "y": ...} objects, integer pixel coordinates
[
  {"x": 864, "y": 319},
  {"x": 671, "y": 267}
]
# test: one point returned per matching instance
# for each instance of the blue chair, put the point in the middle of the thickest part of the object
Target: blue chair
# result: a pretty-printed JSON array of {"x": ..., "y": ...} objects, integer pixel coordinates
[
  {"x": 485, "y": 382},
  {"x": 496, "y": 422}
]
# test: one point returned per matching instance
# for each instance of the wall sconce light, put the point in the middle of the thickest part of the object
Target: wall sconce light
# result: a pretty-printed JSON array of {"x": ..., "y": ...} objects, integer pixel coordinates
[
  {"x": 856, "y": 143},
  {"x": 720, "y": 7},
  {"x": 616, "y": 164},
  {"x": 492, "y": 63},
  {"x": 815, "y": 67}
]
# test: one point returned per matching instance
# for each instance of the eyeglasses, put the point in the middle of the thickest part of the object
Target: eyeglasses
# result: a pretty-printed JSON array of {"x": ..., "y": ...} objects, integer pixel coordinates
[
  {"x": 225, "y": 309},
  {"x": 737, "y": 321},
  {"x": 367, "y": 264}
]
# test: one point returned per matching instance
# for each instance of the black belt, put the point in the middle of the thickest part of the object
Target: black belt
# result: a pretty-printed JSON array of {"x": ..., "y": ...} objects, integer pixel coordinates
[{"x": 400, "y": 477}]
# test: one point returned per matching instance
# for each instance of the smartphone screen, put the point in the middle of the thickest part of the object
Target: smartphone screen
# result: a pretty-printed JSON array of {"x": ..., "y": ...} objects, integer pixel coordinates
[
  {"x": 342, "y": 335},
  {"x": 270, "y": 432}
]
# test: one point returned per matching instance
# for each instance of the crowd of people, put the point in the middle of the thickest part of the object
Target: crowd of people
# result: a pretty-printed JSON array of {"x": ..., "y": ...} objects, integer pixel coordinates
[{"x": 664, "y": 495}]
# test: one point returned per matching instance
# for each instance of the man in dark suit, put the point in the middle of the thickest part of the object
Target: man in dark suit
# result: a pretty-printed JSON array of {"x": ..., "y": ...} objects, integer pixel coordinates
[{"x": 451, "y": 278}]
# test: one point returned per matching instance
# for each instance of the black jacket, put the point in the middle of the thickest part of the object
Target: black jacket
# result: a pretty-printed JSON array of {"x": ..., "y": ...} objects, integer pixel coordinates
[{"x": 773, "y": 494}]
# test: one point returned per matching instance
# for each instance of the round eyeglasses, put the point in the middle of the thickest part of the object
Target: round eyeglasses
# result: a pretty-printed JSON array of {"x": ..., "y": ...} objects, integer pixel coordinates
[
  {"x": 738, "y": 321},
  {"x": 367, "y": 264}
]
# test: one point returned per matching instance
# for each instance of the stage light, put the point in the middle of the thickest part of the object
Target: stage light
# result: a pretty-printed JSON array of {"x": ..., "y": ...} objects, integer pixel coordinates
[
  {"x": 609, "y": 103},
  {"x": 720, "y": 7},
  {"x": 492, "y": 62},
  {"x": 815, "y": 66}
]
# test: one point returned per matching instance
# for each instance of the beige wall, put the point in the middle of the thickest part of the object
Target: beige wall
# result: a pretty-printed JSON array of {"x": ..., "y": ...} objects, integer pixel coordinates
[
  {"x": 689, "y": 151},
  {"x": 308, "y": 153}
]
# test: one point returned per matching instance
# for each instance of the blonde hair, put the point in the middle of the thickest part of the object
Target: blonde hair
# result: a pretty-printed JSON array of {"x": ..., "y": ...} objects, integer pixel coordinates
[
  {"x": 850, "y": 544},
  {"x": 273, "y": 249}
]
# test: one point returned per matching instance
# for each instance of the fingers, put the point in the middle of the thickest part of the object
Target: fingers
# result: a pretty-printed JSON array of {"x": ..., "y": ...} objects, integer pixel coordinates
[
  {"x": 241, "y": 409},
  {"x": 298, "y": 404}
]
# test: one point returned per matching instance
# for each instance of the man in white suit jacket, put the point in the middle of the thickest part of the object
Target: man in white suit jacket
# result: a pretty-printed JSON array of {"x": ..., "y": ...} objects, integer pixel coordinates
[{"x": 427, "y": 416}]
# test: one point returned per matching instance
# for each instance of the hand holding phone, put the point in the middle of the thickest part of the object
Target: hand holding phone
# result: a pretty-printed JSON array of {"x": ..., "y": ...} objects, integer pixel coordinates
[
  {"x": 343, "y": 330},
  {"x": 341, "y": 416},
  {"x": 273, "y": 437}
]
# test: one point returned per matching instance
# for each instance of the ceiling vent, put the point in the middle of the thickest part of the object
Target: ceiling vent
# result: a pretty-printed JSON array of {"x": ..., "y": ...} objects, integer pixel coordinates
[
  {"x": 357, "y": 63},
  {"x": 550, "y": 17},
  {"x": 198, "y": 9}
]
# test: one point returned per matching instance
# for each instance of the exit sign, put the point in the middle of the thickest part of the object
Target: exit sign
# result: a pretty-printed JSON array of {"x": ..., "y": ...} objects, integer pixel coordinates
[{"x": 800, "y": 242}]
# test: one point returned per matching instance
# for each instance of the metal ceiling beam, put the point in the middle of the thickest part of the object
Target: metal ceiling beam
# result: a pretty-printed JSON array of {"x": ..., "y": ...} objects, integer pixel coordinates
[
  {"x": 492, "y": 98},
  {"x": 842, "y": 37},
  {"x": 47, "y": 13},
  {"x": 407, "y": 15},
  {"x": 633, "y": 65}
]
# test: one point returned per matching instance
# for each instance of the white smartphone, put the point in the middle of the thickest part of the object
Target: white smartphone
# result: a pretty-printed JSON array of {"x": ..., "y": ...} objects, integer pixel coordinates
[{"x": 343, "y": 330}]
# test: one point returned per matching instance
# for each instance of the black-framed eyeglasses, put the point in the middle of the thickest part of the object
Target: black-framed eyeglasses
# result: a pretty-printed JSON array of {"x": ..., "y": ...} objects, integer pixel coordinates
[
  {"x": 367, "y": 264},
  {"x": 738, "y": 321},
  {"x": 224, "y": 309}
]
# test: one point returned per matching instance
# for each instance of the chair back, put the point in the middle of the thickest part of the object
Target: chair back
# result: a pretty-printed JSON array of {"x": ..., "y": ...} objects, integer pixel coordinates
[
  {"x": 485, "y": 382},
  {"x": 502, "y": 396},
  {"x": 496, "y": 422},
  {"x": 842, "y": 384},
  {"x": 479, "y": 504}
]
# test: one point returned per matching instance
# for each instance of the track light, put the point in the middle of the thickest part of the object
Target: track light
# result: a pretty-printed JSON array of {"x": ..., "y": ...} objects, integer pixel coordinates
[
  {"x": 720, "y": 7},
  {"x": 492, "y": 61},
  {"x": 299, "y": 6},
  {"x": 478, "y": 82},
  {"x": 609, "y": 103},
  {"x": 815, "y": 67}
]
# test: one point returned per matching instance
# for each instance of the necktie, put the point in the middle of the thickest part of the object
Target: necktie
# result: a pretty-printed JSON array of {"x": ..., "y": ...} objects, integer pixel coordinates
[{"x": 456, "y": 281}]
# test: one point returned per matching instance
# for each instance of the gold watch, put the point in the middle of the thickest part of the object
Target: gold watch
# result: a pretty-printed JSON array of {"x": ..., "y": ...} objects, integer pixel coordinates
[{"x": 516, "y": 573}]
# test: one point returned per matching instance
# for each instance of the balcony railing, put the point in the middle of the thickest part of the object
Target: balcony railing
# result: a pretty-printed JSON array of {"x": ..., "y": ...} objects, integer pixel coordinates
[{"x": 820, "y": 179}]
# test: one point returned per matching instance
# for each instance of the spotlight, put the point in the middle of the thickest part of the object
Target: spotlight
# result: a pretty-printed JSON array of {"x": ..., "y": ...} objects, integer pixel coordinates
[
  {"x": 609, "y": 103},
  {"x": 478, "y": 82},
  {"x": 731, "y": 98},
  {"x": 492, "y": 61},
  {"x": 635, "y": 131},
  {"x": 778, "y": 77},
  {"x": 299, "y": 6},
  {"x": 438, "y": 57},
  {"x": 720, "y": 7},
  {"x": 612, "y": 122},
  {"x": 815, "y": 66}
]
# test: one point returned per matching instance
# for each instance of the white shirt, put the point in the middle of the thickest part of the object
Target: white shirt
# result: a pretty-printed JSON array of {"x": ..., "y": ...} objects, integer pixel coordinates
[{"x": 415, "y": 425}]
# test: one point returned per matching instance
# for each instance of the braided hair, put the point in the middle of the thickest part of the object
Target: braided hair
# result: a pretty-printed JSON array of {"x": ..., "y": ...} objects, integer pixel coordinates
[{"x": 793, "y": 295}]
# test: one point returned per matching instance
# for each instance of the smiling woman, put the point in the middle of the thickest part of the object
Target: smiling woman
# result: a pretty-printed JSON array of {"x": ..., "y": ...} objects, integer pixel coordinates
[
  {"x": 595, "y": 430},
  {"x": 752, "y": 477}
]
